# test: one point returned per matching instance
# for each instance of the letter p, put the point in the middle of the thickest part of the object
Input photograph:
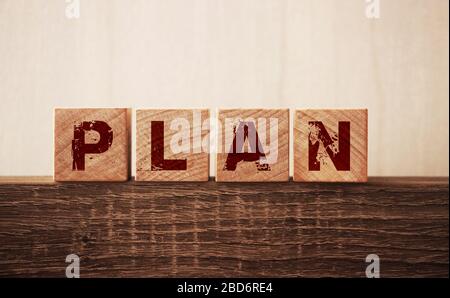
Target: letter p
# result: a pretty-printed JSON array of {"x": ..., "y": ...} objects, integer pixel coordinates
[{"x": 79, "y": 146}]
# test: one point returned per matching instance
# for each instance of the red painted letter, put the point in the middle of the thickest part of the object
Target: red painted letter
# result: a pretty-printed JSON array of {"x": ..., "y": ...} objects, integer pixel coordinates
[
  {"x": 80, "y": 148},
  {"x": 158, "y": 161},
  {"x": 236, "y": 155},
  {"x": 339, "y": 156}
]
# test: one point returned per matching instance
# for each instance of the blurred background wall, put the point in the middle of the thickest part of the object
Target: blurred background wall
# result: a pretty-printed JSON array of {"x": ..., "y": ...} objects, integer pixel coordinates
[{"x": 229, "y": 53}]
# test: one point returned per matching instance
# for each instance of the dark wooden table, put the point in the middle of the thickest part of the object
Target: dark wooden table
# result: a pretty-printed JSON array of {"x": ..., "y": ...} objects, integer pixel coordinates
[{"x": 224, "y": 229}]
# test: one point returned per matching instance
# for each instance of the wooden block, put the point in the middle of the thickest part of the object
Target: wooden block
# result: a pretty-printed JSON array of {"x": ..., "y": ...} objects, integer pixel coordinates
[
  {"x": 330, "y": 145},
  {"x": 172, "y": 145},
  {"x": 253, "y": 145},
  {"x": 92, "y": 144}
]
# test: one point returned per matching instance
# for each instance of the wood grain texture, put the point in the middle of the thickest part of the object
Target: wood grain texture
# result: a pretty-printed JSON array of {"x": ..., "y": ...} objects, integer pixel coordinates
[
  {"x": 177, "y": 123},
  {"x": 111, "y": 165},
  {"x": 225, "y": 229},
  {"x": 272, "y": 127},
  {"x": 304, "y": 133}
]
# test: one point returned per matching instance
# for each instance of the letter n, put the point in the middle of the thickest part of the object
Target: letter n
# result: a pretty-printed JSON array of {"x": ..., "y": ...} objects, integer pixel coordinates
[{"x": 339, "y": 155}]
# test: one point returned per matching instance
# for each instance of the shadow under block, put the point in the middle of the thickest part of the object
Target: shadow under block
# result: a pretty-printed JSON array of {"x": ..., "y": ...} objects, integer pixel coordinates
[
  {"x": 330, "y": 145},
  {"x": 172, "y": 145},
  {"x": 253, "y": 145},
  {"x": 92, "y": 144}
]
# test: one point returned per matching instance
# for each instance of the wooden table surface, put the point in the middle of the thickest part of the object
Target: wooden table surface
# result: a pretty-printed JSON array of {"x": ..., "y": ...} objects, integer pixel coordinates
[{"x": 224, "y": 229}]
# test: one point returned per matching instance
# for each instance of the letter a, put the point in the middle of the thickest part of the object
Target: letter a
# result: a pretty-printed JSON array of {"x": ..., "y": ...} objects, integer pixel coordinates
[{"x": 245, "y": 130}]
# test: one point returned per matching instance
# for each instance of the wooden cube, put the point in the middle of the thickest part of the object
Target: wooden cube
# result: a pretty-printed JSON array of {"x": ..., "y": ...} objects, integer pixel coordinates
[
  {"x": 330, "y": 145},
  {"x": 172, "y": 145},
  {"x": 92, "y": 144},
  {"x": 253, "y": 145}
]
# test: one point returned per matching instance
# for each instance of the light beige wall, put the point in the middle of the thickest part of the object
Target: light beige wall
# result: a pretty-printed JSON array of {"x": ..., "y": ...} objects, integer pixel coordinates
[{"x": 229, "y": 53}]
